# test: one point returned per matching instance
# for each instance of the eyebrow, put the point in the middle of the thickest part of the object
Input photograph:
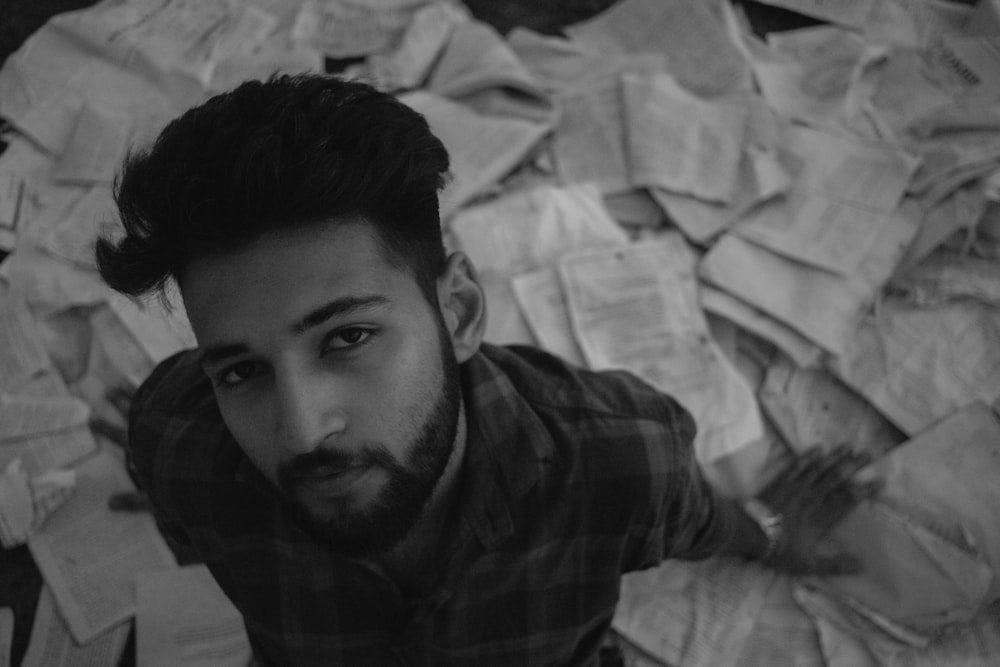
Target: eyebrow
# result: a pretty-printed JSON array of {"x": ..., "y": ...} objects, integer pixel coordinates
[{"x": 338, "y": 307}]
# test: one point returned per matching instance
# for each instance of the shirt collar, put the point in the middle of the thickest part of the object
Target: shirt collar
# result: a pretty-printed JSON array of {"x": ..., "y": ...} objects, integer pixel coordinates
[{"x": 508, "y": 451}]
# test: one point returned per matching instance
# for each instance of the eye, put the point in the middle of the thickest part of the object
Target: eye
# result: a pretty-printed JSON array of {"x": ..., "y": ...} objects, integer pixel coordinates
[
  {"x": 345, "y": 339},
  {"x": 237, "y": 373}
]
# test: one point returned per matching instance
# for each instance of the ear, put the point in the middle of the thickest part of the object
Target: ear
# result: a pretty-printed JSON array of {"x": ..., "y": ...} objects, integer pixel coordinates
[{"x": 463, "y": 305}]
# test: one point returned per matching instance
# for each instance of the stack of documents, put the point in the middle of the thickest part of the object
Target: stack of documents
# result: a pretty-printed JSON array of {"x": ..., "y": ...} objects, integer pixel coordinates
[{"x": 798, "y": 236}]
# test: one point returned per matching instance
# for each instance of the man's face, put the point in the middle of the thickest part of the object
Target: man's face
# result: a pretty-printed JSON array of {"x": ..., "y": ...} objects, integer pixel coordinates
[{"x": 334, "y": 374}]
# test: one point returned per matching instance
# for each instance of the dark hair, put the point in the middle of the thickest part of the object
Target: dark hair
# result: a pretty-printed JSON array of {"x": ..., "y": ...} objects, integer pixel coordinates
[{"x": 287, "y": 152}]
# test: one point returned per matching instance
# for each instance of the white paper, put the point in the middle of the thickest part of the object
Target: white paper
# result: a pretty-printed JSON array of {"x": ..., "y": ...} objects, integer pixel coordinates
[
  {"x": 22, "y": 353},
  {"x": 694, "y": 614},
  {"x": 540, "y": 296},
  {"x": 346, "y": 28},
  {"x": 636, "y": 308},
  {"x": 679, "y": 142},
  {"x": 809, "y": 74},
  {"x": 96, "y": 146},
  {"x": 478, "y": 68},
  {"x": 823, "y": 306},
  {"x": 482, "y": 149},
  {"x": 811, "y": 407},
  {"x": 184, "y": 618},
  {"x": 11, "y": 196},
  {"x": 532, "y": 228},
  {"x": 51, "y": 644},
  {"x": 26, "y": 502},
  {"x": 89, "y": 555},
  {"x": 590, "y": 136},
  {"x": 843, "y": 193},
  {"x": 692, "y": 36},
  {"x": 919, "y": 364},
  {"x": 22, "y": 417},
  {"x": 425, "y": 38},
  {"x": 797, "y": 347}
]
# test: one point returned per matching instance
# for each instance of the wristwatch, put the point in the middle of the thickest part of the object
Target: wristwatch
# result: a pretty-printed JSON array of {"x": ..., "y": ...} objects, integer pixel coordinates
[{"x": 770, "y": 523}]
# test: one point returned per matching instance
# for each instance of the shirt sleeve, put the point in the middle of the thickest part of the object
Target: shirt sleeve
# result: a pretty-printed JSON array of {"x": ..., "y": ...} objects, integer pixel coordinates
[{"x": 145, "y": 437}]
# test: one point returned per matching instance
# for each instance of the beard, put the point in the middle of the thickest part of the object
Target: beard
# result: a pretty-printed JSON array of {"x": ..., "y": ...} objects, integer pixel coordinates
[{"x": 388, "y": 518}]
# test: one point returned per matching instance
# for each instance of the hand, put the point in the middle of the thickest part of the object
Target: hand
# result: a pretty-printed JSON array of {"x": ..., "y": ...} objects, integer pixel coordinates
[{"x": 813, "y": 495}]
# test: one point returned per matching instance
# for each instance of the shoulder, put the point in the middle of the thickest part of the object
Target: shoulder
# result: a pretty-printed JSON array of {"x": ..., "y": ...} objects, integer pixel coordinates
[
  {"x": 554, "y": 385},
  {"x": 177, "y": 439},
  {"x": 607, "y": 420}
]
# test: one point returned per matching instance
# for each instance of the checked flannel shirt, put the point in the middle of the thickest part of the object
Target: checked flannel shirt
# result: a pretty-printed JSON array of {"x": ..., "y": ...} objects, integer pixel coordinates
[{"x": 571, "y": 478}]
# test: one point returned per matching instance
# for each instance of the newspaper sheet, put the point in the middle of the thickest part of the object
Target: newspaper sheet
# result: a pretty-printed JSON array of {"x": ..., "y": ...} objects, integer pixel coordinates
[
  {"x": 693, "y": 614},
  {"x": 89, "y": 555},
  {"x": 52, "y": 645},
  {"x": 482, "y": 149},
  {"x": 843, "y": 193},
  {"x": 691, "y": 34},
  {"x": 823, "y": 306},
  {"x": 679, "y": 142},
  {"x": 184, "y": 619},
  {"x": 636, "y": 308}
]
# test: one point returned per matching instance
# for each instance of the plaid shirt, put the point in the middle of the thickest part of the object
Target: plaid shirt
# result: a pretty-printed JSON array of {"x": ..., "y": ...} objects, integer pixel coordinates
[{"x": 571, "y": 478}]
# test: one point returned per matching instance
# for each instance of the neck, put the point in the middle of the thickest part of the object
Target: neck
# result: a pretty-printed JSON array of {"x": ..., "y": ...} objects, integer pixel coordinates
[{"x": 425, "y": 536}]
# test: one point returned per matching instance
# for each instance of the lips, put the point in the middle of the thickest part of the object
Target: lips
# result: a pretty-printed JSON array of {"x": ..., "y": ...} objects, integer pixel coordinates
[{"x": 332, "y": 481}]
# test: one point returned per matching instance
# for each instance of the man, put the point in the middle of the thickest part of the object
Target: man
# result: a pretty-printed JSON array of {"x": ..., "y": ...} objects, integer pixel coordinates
[{"x": 370, "y": 483}]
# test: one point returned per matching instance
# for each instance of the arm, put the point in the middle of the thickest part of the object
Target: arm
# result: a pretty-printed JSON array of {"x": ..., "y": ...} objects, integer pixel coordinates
[{"x": 792, "y": 515}]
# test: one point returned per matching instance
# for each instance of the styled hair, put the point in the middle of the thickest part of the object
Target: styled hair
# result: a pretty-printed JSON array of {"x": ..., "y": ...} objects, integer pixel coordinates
[{"x": 279, "y": 154}]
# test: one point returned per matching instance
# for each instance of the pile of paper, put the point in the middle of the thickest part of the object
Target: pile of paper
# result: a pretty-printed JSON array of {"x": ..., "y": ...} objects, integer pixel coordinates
[{"x": 797, "y": 236}]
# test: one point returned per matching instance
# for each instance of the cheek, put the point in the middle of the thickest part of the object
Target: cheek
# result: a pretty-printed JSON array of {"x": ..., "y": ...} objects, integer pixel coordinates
[{"x": 250, "y": 426}]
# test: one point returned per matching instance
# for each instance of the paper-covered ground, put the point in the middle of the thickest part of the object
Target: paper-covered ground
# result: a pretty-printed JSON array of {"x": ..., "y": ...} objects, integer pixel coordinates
[{"x": 797, "y": 236}]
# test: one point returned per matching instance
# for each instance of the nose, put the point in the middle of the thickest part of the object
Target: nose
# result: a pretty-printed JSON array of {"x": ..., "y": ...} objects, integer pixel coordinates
[{"x": 311, "y": 409}]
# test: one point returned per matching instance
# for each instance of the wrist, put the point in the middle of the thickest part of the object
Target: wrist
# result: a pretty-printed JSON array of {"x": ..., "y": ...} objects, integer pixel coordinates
[{"x": 771, "y": 525}]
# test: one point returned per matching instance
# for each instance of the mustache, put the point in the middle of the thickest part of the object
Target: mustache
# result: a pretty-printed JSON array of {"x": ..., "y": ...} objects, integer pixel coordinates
[{"x": 322, "y": 461}]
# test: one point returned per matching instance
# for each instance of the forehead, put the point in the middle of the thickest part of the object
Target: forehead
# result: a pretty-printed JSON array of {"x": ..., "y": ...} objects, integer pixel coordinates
[{"x": 284, "y": 274}]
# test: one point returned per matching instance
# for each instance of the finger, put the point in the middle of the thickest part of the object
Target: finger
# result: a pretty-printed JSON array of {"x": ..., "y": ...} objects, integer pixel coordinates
[
  {"x": 112, "y": 432},
  {"x": 836, "y": 566},
  {"x": 823, "y": 476},
  {"x": 838, "y": 471},
  {"x": 120, "y": 396},
  {"x": 783, "y": 488}
]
